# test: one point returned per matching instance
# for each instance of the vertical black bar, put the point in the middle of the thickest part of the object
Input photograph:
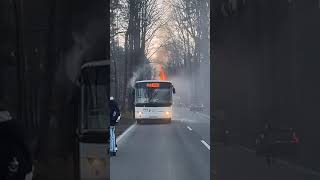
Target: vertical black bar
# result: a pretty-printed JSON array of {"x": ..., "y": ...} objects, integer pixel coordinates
[{"x": 19, "y": 56}]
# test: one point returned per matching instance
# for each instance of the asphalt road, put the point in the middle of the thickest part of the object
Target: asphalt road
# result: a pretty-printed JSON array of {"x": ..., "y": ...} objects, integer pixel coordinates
[
  {"x": 175, "y": 151},
  {"x": 245, "y": 165}
]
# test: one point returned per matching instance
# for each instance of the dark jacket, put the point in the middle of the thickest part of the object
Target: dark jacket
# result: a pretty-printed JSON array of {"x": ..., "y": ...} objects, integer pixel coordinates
[
  {"x": 114, "y": 112},
  {"x": 13, "y": 146}
]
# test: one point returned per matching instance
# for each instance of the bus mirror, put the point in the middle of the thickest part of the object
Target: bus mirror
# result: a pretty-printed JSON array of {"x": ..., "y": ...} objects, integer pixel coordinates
[{"x": 174, "y": 90}]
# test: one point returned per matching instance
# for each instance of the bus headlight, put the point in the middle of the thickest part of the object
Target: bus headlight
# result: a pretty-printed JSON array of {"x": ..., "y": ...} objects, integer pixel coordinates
[
  {"x": 140, "y": 113},
  {"x": 167, "y": 113}
]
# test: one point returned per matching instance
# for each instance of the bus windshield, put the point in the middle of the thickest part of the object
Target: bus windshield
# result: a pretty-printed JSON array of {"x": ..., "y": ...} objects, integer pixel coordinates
[
  {"x": 154, "y": 96},
  {"x": 94, "y": 98}
]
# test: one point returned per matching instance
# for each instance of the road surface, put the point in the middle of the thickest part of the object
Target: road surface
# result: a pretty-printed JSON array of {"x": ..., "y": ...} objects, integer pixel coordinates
[
  {"x": 175, "y": 151},
  {"x": 180, "y": 150},
  {"x": 245, "y": 165}
]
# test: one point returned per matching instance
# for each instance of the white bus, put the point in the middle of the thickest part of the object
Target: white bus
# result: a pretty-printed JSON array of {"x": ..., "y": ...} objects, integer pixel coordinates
[{"x": 153, "y": 100}]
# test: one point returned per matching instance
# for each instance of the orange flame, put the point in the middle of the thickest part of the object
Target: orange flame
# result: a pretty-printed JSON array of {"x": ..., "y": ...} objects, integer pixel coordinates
[{"x": 163, "y": 75}]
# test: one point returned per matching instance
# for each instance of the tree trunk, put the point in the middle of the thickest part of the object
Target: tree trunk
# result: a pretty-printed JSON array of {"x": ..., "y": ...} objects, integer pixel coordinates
[{"x": 125, "y": 77}]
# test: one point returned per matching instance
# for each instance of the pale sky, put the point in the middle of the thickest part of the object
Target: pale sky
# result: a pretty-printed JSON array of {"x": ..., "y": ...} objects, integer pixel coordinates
[{"x": 159, "y": 36}]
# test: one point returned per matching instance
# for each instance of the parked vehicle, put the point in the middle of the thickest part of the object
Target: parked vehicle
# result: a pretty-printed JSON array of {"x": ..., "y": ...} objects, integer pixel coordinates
[{"x": 277, "y": 142}]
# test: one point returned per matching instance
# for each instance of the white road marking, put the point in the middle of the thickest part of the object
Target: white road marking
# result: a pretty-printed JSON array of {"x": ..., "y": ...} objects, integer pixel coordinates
[
  {"x": 125, "y": 132},
  {"x": 189, "y": 128},
  {"x": 205, "y": 144}
]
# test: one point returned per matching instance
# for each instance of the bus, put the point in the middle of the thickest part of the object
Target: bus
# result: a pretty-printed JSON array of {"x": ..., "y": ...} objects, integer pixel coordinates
[
  {"x": 153, "y": 100},
  {"x": 91, "y": 159}
]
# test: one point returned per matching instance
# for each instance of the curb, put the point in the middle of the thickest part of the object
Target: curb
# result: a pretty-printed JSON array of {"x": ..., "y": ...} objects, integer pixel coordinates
[{"x": 126, "y": 132}]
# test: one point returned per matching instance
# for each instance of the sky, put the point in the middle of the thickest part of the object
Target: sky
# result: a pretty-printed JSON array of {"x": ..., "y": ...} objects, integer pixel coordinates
[
  {"x": 160, "y": 55},
  {"x": 155, "y": 54}
]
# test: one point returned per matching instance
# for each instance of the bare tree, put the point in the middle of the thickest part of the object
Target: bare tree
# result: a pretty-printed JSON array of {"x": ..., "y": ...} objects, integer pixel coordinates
[
  {"x": 190, "y": 24},
  {"x": 135, "y": 23}
]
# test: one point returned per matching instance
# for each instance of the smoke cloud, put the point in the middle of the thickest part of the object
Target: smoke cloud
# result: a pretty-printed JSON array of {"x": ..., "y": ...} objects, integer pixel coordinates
[
  {"x": 183, "y": 85},
  {"x": 84, "y": 44},
  {"x": 74, "y": 58},
  {"x": 140, "y": 74}
]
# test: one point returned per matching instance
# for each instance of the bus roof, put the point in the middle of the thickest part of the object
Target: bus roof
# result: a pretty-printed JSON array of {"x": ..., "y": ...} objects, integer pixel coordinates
[
  {"x": 148, "y": 81},
  {"x": 96, "y": 63}
]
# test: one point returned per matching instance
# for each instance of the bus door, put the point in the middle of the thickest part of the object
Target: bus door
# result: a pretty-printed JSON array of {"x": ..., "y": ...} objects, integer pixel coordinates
[{"x": 92, "y": 131}]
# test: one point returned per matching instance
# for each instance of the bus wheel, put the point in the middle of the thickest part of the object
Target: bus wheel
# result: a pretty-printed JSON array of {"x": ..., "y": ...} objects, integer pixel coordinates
[{"x": 139, "y": 121}]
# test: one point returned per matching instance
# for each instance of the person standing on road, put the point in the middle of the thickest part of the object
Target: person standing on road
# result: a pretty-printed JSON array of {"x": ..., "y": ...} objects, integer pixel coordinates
[{"x": 114, "y": 119}]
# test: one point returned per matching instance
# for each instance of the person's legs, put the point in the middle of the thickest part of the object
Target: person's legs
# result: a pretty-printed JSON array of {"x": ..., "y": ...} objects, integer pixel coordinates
[
  {"x": 111, "y": 139},
  {"x": 115, "y": 139},
  {"x": 112, "y": 143}
]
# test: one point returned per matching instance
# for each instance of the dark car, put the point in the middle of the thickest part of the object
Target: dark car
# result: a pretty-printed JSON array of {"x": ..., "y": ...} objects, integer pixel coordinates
[
  {"x": 278, "y": 142},
  {"x": 196, "y": 107}
]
